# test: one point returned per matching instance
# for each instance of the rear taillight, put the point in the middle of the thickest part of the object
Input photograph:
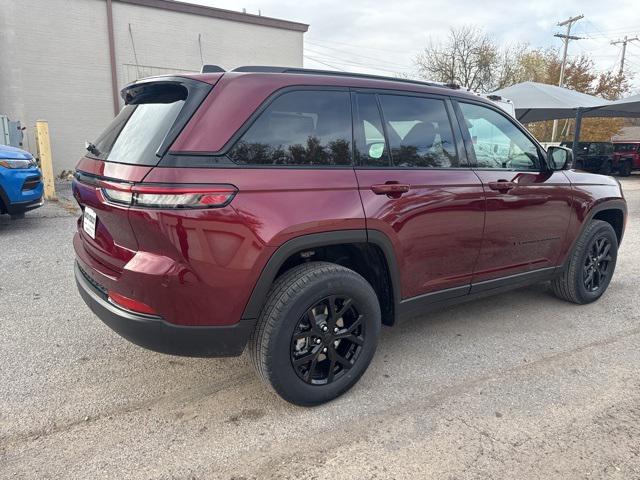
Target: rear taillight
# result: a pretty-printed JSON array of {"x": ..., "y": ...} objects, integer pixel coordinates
[
  {"x": 168, "y": 196},
  {"x": 130, "y": 304},
  {"x": 116, "y": 192}
]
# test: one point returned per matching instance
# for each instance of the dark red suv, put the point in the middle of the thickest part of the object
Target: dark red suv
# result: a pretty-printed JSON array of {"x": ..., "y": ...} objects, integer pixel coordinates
[{"x": 297, "y": 211}]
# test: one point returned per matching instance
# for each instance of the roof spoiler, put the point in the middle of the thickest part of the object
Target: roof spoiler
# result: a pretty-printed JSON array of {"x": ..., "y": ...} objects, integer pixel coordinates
[{"x": 212, "y": 69}]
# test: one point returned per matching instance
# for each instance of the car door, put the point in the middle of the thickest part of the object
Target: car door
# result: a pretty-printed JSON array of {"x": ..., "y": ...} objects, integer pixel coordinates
[
  {"x": 417, "y": 189},
  {"x": 528, "y": 205}
]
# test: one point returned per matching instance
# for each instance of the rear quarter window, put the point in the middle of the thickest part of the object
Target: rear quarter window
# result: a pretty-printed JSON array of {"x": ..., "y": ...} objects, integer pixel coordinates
[{"x": 299, "y": 128}]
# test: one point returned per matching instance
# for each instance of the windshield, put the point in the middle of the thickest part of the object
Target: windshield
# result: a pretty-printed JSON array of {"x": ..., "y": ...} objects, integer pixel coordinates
[
  {"x": 135, "y": 135},
  {"x": 626, "y": 147}
]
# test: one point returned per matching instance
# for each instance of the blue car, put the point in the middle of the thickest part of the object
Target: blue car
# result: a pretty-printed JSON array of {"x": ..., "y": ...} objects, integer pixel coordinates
[{"x": 20, "y": 182}]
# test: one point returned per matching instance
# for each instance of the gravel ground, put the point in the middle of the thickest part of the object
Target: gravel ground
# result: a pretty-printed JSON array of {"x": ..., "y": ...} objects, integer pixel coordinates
[{"x": 520, "y": 385}]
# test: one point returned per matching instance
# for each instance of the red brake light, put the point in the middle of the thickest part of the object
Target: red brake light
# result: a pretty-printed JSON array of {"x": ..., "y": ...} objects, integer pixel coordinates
[
  {"x": 130, "y": 304},
  {"x": 183, "y": 196},
  {"x": 168, "y": 196}
]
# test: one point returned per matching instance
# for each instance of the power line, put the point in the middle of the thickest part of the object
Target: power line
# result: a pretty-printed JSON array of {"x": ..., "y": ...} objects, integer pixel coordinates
[
  {"x": 606, "y": 33},
  {"x": 566, "y": 37},
  {"x": 624, "y": 49},
  {"x": 358, "y": 66},
  {"x": 323, "y": 63},
  {"x": 360, "y": 55},
  {"x": 344, "y": 61},
  {"x": 351, "y": 45}
]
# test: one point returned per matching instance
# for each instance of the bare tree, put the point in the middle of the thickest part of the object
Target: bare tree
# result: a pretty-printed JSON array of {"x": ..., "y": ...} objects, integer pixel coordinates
[
  {"x": 467, "y": 57},
  {"x": 470, "y": 58}
]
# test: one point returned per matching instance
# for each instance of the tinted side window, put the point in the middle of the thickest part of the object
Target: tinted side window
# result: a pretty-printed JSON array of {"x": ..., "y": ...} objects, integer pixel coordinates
[
  {"x": 371, "y": 149},
  {"x": 419, "y": 132},
  {"x": 299, "y": 128},
  {"x": 497, "y": 141}
]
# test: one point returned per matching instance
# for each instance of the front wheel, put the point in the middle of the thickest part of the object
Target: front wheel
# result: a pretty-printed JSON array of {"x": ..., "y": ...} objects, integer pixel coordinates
[
  {"x": 590, "y": 266},
  {"x": 317, "y": 333}
]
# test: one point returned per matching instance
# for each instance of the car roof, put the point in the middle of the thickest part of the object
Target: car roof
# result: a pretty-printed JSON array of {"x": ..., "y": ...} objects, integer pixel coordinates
[{"x": 280, "y": 77}]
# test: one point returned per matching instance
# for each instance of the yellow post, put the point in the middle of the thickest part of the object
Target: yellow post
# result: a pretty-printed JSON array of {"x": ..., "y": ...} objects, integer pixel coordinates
[{"x": 46, "y": 161}]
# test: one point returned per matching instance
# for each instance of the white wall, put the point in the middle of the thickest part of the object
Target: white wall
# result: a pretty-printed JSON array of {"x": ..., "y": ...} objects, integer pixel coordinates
[
  {"x": 54, "y": 60},
  {"x": 54, "y": 66}
]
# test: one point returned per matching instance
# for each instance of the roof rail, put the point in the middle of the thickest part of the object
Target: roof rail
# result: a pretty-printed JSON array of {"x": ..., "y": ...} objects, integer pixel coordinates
[{"x": 311, "y": 71}]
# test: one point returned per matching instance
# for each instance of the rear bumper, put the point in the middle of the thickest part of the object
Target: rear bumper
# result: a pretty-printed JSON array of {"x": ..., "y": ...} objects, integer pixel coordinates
[{"x": 156, "y": 334}]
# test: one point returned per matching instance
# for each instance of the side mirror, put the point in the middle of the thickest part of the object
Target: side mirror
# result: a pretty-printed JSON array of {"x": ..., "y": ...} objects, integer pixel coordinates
[{"x": 559, "y": 158}]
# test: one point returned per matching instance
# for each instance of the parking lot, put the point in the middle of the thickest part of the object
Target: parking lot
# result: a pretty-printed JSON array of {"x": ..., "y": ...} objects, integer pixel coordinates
[{"x": 521, "y": 385}]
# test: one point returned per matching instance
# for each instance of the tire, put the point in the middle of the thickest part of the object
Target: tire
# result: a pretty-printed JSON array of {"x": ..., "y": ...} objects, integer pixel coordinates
[
  {"x": 625, "y": 168},
  {"x": 572, "y": 284},
  {"x": 312, "y": 287},
  {"x": 605, "y": 168}
]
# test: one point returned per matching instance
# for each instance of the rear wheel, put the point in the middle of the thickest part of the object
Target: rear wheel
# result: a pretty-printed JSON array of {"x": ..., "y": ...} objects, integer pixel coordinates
[
  {"x": 605, "y": 168},
  {"x": 625, "y": 168},
  {"x": 317, "y": 333},
  {"x": 590, "y": 266}
]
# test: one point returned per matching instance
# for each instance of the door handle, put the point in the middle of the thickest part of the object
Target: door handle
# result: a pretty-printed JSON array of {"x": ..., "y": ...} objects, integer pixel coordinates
[
  {"x": 502, "y": 185},
  {"x": 391, "y": 189}
]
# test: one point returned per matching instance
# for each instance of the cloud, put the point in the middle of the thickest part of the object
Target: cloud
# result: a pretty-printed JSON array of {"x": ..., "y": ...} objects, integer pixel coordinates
[{"x": 378, "y": 37}]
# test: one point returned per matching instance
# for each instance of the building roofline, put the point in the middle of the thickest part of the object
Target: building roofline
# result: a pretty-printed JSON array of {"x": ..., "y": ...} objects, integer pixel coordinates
[{"x": 220, "y": 13}]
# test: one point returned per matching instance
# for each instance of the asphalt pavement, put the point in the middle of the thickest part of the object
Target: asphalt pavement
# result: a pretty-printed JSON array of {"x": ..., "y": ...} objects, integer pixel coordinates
[{"x": 520, "y": 385}]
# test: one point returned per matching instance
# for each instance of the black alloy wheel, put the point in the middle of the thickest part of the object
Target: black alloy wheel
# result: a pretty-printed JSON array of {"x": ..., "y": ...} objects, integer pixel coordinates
[
  {"x": 327, "y": 340},
  {"x": 317, "y": 332},
  {"x": 589, "y": 268},
  {"x": 596, "y": 270}
]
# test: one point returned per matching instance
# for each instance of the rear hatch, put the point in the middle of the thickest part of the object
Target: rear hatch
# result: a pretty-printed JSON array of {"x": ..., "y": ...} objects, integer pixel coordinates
[{"x": 155, "y": 112}]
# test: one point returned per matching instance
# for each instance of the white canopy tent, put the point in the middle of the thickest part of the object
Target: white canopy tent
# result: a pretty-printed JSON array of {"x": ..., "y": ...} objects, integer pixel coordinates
[{"x": 536, "y": 102}]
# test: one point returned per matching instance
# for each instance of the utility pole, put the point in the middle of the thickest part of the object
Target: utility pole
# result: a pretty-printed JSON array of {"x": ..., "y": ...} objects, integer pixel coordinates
[
  {"x": 566, "y": 37},
  {"x": 624, "y": 50}
]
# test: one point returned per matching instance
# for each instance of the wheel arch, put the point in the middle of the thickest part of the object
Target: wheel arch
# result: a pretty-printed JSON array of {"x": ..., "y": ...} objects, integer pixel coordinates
[
  {"x": 4, "y": 201},
  {"x": 373, "y": 249},
  {"x": 613, "y": 216},
  {"x": 610, "y": 210}
]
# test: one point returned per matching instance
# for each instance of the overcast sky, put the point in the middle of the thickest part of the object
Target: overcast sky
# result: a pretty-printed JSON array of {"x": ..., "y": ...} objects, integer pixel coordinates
[{"x": 384, "y": 37}]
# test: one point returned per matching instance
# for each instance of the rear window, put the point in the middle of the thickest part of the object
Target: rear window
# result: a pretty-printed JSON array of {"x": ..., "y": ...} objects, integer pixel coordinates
[{"x": 135, "y": 135}]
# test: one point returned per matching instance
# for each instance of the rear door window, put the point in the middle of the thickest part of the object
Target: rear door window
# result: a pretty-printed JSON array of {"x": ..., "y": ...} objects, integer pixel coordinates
[
  {"x": 419, "y": 132},
  {"x": 137, "y": 132},
  {"x": 299, "y": 128},
  {"x": 371, "y": 149}
]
